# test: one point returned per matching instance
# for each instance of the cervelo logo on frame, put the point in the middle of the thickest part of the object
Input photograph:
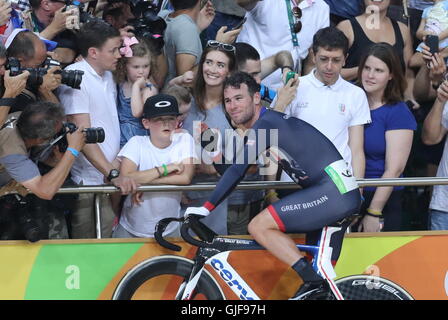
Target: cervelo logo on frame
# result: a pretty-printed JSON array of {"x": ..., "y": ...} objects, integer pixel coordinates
[{"x": 233, "y": 280}]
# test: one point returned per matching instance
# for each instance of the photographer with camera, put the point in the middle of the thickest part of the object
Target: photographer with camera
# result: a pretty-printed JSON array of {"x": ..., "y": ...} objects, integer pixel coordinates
[
  {"x": 10, "y": 87},
  {"x": 28, "y": 52},
  {"x": 95, "y": 104},
  {"x": 34, "y": 128},
  {"x": 49, "y": 17}
]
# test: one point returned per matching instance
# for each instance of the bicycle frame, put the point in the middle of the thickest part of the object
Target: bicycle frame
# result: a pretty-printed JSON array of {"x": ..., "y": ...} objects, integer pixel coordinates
[{"x": 216, "y": 255}]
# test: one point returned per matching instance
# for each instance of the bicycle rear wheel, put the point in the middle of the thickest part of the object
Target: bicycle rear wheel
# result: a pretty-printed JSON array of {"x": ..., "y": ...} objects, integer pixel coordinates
[
  {"x": 161, "y": 277},
  {"x": 362, "y": 287}
]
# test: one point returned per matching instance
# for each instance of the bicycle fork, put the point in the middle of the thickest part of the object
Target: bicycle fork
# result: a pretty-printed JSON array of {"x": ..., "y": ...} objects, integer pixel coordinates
[
  {"x": 187, "y": 288},
  {"x": 322, "y": 262}
]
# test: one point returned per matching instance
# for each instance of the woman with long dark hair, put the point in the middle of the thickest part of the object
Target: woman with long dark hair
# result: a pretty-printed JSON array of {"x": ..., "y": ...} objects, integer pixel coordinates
[
  {"x": 216, "y": 63},
  {"x": 388, "y": 138}
]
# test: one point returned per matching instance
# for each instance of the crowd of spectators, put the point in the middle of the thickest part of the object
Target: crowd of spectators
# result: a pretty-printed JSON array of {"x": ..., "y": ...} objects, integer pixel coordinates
[{"x": 151, "y": 75}]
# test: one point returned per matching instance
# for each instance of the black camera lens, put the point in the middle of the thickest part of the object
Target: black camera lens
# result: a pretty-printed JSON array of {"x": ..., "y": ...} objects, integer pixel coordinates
[
  {"x": 36, "y": 77},
  {"x": 72, "y": 78},
  {"x": 95, "y": 135}
]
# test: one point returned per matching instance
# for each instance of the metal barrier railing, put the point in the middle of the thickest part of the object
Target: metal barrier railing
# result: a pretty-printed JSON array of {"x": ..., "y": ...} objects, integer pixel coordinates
[
  {"x": 248, "y": 185},
  {"x": 257, "y": 185}
]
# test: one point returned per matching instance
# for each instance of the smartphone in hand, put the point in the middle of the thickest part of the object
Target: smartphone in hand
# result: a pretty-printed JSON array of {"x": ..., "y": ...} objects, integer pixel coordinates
[
  {"x": 240, "y": 24},
  {"x": 290, "y": 75},
  {"x": 432, "y": 41}
]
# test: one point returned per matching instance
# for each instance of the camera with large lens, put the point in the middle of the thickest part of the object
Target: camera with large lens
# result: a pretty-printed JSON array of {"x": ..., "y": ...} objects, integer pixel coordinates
[
  {"x": 21, "y": 219},
  {"x": 71, "y": 78},
  {"x": 36, "y": 74},
  {"x": 40, "y": 153},
  {"x": 148, "y": 25},
  {"x": 93, "y": 135}
]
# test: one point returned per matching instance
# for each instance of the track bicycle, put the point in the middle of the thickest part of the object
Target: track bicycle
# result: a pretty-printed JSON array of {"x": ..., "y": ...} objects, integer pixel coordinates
[{"x": 196, "y": 282}]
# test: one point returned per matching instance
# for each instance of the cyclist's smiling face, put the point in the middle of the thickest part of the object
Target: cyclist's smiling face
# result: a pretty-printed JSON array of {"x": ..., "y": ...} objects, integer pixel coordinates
[
  {"x": 215, "y": 68},
  {"x": 240, "y": 105}
]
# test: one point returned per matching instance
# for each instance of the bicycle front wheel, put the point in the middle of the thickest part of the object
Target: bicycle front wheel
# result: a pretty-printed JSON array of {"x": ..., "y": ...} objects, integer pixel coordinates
[
  {"x": 161, "y": 277},
  {"x": 362, "y": 287}
]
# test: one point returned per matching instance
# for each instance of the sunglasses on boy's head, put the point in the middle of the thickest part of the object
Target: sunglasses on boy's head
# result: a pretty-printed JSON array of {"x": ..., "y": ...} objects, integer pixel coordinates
[{"x": 223, "y": 46}]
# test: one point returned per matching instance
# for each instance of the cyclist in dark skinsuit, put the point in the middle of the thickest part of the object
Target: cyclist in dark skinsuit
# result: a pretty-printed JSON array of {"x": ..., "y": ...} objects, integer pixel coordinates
[{"x": 330, "y": 192}]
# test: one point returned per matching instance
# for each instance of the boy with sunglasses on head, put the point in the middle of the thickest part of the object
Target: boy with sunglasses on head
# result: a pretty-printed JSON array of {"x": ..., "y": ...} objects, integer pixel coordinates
[{"x": 165, "y": 157}]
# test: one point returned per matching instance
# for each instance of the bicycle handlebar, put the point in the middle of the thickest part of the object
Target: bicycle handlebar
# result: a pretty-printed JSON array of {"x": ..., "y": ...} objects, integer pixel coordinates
[
  {"x": 160, "y": 228},
  {"x": 192, "y": 222}
]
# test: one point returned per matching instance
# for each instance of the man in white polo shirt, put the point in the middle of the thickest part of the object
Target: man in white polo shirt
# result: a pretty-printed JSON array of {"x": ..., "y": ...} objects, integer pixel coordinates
[
  {"x": 334, "y": 106},
  {"x": 275, "y": 25},
  {"x": 94, "y": 105}
]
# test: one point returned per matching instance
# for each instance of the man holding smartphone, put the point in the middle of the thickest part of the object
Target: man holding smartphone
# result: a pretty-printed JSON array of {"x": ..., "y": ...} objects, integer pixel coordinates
[
  {"x": 249, "y": 61},
  {"x": 275, "y": 25},
  {"x": 336, "y": 107},
  {"x": 228, "y": 14},
  {"x": 435, "y": 128}
]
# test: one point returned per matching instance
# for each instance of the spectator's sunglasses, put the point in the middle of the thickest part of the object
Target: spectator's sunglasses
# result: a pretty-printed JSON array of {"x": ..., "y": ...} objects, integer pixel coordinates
[
  {"x": 219, "y": 45},
  {"x": 297, "y": 12}
]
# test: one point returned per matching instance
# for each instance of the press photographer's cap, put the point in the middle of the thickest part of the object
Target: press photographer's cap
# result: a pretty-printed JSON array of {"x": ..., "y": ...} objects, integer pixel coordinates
[
  {"x": 160, "y": 105},
  {"x": 49, "y": 44}
]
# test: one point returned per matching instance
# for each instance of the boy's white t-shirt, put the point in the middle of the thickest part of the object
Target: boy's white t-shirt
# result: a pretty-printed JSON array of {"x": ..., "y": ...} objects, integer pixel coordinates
[{"x": 141, "y": 220}]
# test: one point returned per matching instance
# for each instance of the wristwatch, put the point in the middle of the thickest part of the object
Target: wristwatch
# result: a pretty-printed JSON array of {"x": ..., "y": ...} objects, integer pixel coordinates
[{"x": 114, "y": 173}]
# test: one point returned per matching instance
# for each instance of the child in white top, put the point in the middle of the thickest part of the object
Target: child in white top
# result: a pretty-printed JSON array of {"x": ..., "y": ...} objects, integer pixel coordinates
[{"x": 165, "y": 157}]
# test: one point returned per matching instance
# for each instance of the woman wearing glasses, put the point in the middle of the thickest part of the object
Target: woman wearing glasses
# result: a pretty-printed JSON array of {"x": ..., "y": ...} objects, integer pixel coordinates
[{"x": 216, "y": 63}]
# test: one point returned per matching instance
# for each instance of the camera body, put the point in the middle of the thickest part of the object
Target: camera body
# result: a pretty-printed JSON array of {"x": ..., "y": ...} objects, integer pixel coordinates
[
  {"x": 93, "y": 135},
  {"x": 20, "y": 219},
  {"x": 36, "y": 74},
  {"x": 71, "y": 78},
  {"x": 148, "y": 25}
]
